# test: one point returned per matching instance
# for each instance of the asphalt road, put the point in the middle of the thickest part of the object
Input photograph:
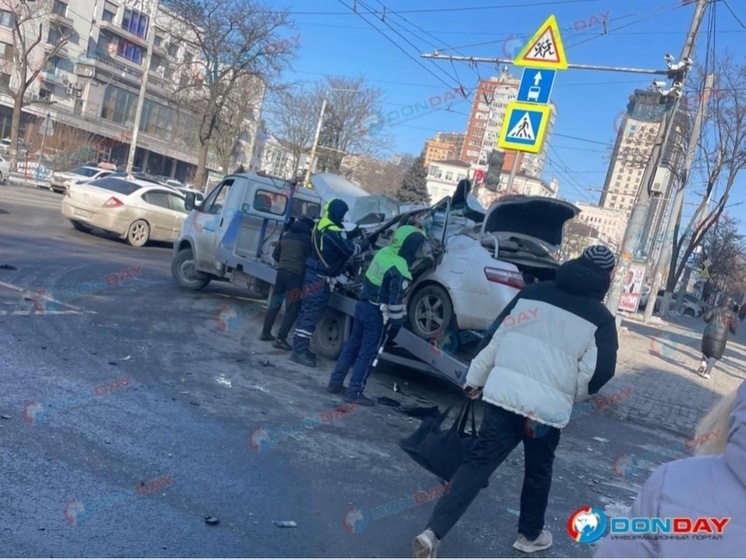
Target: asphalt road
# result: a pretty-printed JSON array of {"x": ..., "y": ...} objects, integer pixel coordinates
[{"x": 137, "y": 409}]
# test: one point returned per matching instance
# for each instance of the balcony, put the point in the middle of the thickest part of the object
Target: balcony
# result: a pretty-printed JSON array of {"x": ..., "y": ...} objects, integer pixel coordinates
[
  {"x": 62, "y": 20},
  {"x": 117, "y": 30}
]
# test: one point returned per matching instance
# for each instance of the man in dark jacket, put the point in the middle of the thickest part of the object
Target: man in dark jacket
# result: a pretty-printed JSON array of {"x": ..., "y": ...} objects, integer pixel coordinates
[
  {"x": 553, "y": 345},
  {"x": 720, "y": 321},
  {"x": 290, "y": 254},
  {"x": 382, "y": 301},
  {"x": 330, "y": 251}
]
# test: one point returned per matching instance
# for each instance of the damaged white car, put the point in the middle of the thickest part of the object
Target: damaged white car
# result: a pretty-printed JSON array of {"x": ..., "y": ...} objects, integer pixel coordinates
[{"x": 476, "y": 261}]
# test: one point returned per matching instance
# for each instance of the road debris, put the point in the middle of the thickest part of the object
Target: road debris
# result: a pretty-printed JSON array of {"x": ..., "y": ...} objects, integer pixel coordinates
[
  {"x": 212, "y": 521},
  {"x": 7, "y": 267},
  {"x": 285, "y": 524},
  {"x": 5, "y": 416}
]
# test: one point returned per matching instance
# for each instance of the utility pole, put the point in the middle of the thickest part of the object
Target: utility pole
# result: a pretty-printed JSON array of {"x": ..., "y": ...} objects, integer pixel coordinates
[
  {"x": 678, "y": 73},
  {"x": 513, "y": 172},
  {"x": 678, "y": 203},
  {"x": 315, "y": 144},
  {"x": 144, "y": 85}
]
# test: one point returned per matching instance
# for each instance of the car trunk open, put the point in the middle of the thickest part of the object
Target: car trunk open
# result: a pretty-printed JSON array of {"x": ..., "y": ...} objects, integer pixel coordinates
[{"x": 528, "y": 230}]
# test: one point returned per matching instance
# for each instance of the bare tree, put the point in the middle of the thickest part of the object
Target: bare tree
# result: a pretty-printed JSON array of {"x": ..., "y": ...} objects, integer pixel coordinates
[
  {"x": 377, "y": 177},
  {"x": 721, "y": 158},
  {"x": 724, "y": 249},
  {"x": 30, "y": 20},
  {"x": 577, "y": 237},
  {"x": 350, "y": 102},
  {"x": 238, "y": 119},
  {"x": 235, "y": 39},
  {"x": 294, "y": 116}
]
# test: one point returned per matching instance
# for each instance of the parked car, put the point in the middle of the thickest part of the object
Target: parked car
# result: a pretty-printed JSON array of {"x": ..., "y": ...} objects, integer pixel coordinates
[
  {"x": 691, "y": 306},
  {"x": 4, "y": 169},
  {"x": 5, "y": 146},
  {"x": 60, "y": 182},
  {"x": 136, "y": 210},
  {"x": 198, "y": 196},
  {"x": 479, "y": 259}
]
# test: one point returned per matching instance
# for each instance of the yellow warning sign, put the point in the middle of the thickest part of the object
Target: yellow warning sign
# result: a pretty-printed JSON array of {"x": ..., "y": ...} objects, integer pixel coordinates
[
  {"x": 544, "y": 49},
  {"x": 704, "y": 274}
]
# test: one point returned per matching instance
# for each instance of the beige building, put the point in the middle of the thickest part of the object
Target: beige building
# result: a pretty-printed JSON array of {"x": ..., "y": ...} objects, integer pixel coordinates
[
  {"x": 436, "y": 150},
  {"x": 609, "y": 223}
]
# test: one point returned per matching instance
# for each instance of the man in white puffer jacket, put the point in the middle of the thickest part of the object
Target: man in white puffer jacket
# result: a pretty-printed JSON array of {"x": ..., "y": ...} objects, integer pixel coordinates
[{"x": 553, "y": 345}]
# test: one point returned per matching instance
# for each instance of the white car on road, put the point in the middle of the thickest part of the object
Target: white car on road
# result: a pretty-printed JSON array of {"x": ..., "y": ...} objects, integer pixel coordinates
[
  {"x": 62, "y": 181},
  {"x": 480, "y": 260}
]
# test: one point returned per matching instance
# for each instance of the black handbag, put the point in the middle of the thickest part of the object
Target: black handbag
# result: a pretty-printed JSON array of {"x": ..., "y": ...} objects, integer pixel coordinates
[{"x": 439, "y": 451}]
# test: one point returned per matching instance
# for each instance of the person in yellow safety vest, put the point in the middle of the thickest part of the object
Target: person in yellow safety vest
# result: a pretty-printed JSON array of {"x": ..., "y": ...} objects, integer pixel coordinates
[
  {"x": 379, "y": 313},
  {"x": 330, "y": 251}
]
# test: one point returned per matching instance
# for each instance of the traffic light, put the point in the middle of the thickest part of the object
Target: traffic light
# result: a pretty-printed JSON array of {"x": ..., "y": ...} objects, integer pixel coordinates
[{"x": 495, "y": 163}]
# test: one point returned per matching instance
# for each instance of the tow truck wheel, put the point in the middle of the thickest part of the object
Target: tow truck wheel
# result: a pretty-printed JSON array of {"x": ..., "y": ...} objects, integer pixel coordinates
[
  {"x": 430, "y": 312},
  {"x": 328, "y": 338},
  {"x": 183, "y": 271}
]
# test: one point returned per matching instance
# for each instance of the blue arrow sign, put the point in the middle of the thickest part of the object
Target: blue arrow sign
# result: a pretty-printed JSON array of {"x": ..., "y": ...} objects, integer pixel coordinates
[{"x": 536, "y": 85}]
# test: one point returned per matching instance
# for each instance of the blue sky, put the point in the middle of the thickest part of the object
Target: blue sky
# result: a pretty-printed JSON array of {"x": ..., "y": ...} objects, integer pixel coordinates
[{"x": 335, "y": 40}]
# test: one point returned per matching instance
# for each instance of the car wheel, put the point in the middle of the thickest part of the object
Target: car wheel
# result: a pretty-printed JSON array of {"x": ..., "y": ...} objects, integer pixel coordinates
[
  {"x": 328, "y": 337},
  {"x": 689, "y": 312},
  {"x": 138, "y": 233},
  {"x": 430, "y": 312},
  {"x": 185, "y": 273},
  {"x": 80, "y": 227},
  {"x": 2, "y": 178}
]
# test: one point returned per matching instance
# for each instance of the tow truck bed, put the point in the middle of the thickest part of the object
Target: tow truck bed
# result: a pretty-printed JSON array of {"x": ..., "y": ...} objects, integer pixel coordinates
[{"x": 409, "y": 349}]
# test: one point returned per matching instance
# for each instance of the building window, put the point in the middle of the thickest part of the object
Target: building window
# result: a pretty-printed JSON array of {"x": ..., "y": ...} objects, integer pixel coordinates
[
  {"x": 54, "y": 36},
  {"x": 173, "y": 50},
  {"x": 6, "y": 51},
  {"x": 449, "y": 176},
  {"x": 5, "y": 80},
  {"x": 6, "y": 18},
  {"x": 158, "y": 41},
  {"x": 108, "y": 16},
  {"x": 130, "y": 51},
  {"x": 135, "y": 22},
  {"x": 59, "y": 8}
]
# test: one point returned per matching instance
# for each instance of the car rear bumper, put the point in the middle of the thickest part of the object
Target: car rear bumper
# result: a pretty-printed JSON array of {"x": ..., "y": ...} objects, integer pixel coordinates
[{"x": 94, "y": 217}]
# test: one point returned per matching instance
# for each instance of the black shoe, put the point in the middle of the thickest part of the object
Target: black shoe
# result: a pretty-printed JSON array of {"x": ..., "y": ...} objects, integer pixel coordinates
[
  {"x": 335, "y": 389},
  {"x": 266, "y": 337},
  {"x": 282, "y": 344},
  {"x": 306, "y": 359},
  {"x": 360, "y": 401}
]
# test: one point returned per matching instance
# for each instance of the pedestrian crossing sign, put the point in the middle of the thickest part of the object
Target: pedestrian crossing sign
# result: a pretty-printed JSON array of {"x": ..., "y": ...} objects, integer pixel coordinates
[
  {"x": 544, "y": 49},
  {"x": 524, "y": 127}
]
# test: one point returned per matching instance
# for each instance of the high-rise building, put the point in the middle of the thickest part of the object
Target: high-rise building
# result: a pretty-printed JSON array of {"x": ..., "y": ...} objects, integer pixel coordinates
[
  {"x": 486, "y": 121},
  {"x": 634, "y": 144}
]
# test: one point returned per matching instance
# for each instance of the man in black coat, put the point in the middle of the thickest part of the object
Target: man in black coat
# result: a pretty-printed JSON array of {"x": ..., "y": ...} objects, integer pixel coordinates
[
  {"x": 720, "y": 321},
  {"x": 290, "y": 254}
]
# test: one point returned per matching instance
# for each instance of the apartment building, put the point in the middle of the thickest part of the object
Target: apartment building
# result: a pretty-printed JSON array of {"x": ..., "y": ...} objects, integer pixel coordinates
[
  {"x": 93, "y": 83},
  {"x": 610, "y": 223},
  {"x": 443, "y": 176},
  {"x": 486, "y": 121}
]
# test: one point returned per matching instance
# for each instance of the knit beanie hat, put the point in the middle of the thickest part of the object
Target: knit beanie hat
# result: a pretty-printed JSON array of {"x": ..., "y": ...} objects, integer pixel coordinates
[{"x": 601, "y": 257}]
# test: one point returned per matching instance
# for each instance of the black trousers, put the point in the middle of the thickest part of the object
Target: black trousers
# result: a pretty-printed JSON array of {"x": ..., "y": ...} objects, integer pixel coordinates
[
  {"x": 288, "y": 290},
  {"x": 500, "y": 433}
]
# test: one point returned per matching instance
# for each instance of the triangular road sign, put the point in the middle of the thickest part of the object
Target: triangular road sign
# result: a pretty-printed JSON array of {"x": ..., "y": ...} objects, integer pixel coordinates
[
  {"x": 544, "y": 49},
  {"x": 522, "y": 129}
]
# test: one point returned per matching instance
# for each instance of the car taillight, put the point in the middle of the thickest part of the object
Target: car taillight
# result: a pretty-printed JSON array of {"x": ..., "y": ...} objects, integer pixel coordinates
[
  {"x": 511, "y": 279},
  {"x": 113, "y": 203}
]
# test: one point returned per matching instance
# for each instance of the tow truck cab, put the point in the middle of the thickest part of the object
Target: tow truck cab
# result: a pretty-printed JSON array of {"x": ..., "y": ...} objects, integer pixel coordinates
[{"x": 231, "y": 234}]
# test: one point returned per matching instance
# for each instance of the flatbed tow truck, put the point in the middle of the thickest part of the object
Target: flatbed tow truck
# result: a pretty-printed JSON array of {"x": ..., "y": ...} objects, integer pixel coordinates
[{"x": 229, "y": 237}]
